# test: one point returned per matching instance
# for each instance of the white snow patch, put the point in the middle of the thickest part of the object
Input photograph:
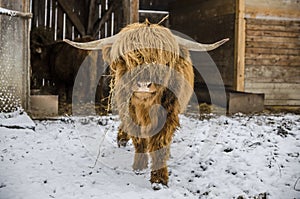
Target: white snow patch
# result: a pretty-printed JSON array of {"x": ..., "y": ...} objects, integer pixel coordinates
[
  {"x": 223, "y": 157},
  {"x": 8, "y": 12},
  {"x": 17, "y": 119}
]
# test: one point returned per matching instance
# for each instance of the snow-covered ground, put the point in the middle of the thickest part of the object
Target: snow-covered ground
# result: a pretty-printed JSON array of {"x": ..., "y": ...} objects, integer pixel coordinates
[{"x": 221, "y": 157}]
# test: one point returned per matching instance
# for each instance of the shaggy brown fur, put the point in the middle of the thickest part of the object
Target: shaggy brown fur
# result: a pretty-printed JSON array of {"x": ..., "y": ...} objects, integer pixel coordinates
[{"x": 149, "y": 53}]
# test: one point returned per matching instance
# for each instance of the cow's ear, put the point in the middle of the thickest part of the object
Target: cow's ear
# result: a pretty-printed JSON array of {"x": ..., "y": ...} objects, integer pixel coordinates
[{"x": 106, "y": 54}]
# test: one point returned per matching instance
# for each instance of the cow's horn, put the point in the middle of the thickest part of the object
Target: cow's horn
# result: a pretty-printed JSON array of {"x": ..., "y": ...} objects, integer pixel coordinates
[
  {"x": 195, "y": 46},
  {"x": 93, "y": 45}
]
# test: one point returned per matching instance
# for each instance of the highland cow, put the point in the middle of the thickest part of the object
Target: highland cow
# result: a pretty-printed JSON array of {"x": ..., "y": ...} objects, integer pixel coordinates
[
  {"x": 58, "y": 64},
  {"x": 152, "y": 84}
]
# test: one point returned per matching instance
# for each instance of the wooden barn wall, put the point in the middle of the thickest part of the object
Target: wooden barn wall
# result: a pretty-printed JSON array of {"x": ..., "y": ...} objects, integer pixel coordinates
[
  {"x": 72, "y": 19},
  {"x": 272, "y": 53},
  {"x": 208, "y": 22},
  {"x": 155, "y": 4}
]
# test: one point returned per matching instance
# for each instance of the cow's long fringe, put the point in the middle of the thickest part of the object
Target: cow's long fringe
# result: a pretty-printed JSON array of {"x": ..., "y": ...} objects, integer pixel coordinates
[{"x": 151, "y": 42}]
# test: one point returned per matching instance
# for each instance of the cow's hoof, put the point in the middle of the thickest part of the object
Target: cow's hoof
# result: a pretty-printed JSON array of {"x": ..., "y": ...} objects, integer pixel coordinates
[
  {"x": 158, "y": 186},
  {"x": 139, "y": 172},
  {"x": 122, "y": 142}
]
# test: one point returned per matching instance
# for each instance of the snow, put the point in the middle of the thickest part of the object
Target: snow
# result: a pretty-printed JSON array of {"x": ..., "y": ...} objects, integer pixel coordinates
[
  {"x": 7, "y": 11},
  {"x": 14, "y": 13},
  {"x": 219, "y": 157},
  {"x": 17, "y": 119}
]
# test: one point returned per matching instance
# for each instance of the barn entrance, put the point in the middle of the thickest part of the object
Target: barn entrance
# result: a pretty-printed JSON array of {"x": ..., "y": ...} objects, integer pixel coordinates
[
  {"x": 62, "y": 74},
  {"x": 55, "y": 65}
]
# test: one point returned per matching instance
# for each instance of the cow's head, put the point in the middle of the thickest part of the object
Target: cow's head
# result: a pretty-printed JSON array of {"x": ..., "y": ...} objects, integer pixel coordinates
[{"x": 146, "y": 59}]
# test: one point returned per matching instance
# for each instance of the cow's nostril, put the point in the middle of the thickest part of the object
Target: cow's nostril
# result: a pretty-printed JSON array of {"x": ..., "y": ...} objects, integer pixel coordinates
[{"x": 139, "y": 84}]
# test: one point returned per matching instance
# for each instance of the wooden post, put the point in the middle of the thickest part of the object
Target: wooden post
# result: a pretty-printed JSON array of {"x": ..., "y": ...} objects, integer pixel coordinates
[
  {"x": 91, "y": 17},
  {"x": 134, "y": 17},
  {"x": 130, "y": 11},
  {"x": 239, "y": 46},
  {"x": 15, "y": 54}
]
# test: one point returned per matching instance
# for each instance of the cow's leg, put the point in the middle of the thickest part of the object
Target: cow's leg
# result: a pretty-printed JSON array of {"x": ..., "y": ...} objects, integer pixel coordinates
[
  {"x": 159, "y": 148},
  {"x": 141, "y": 156},
  {"x": 122, "y": 138}
]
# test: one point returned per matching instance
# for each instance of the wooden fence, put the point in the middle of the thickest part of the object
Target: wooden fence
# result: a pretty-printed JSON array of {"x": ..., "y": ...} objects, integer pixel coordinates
[{"x": 72, "y": 18}]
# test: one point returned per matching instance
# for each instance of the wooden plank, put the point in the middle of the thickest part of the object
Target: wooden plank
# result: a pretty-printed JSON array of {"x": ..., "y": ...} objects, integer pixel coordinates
[
  {"x": 281, "y": 95},
  {"x": 280, "y": 28},
  {"x": 41, "y": 12},
  {"x": 263, "y": 44},
  {"x": 98, "y": 26},
  {"x": 273, "y": 22},
  {"x": 269, "y": 33},
  {"x": 281, "y": 87},
  {"x": 35, "y": 8},
  {"x": 73, "y": 17},
  {"x": 288, "y": 5},
  {"x": 68, "y": 29},
  {"x": 277, "y": 93},
  {"x": 239, "y": 49},
  {"x": 273, "y": 51},
  {"x": 279, "y": 12},
  {"x": 279, "y": 102},
  {"x": 130, "y": 11},
  {"x": 245, "y": 103},
  {"x": 273, "y": 62},
  {"x": 92, "y": 16},
  {"x": 54, "y": 4},
  {"x": 272, "y": 74},
  {"x": 134, "y": 18},
  {"x": 117, "y": 22},
  {"x": 288, "y": 58},
  {"x": 268, "y": 39},
  {"x": 273, "y": 8},
  {"x": 126, "y": 11},
  {"x": 81, "y": 10},
  {"x": 108, "y": 22},
  {"x": 60, "y": 13},
  {"x": 25, "y": 99},
  {"x": 44, "y": 105}
]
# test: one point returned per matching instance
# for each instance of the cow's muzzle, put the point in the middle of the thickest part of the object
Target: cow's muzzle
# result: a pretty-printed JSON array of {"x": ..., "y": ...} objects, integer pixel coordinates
[{"x": 144, "y": 90}]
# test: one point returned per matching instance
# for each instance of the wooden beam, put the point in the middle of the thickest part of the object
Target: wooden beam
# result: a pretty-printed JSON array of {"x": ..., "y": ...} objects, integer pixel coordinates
[
  {"x": 91, "y": 17},
  {"x": 73, "y": 17},
  {"x": 134, "y": 16},
  {"x": 130, "y": 11},
  {"x": 240, "y": 102},
  {"x": 126, "y": 12},
  {"x": 274, "y": 8},
  {"x": 239, "y": 46}
]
